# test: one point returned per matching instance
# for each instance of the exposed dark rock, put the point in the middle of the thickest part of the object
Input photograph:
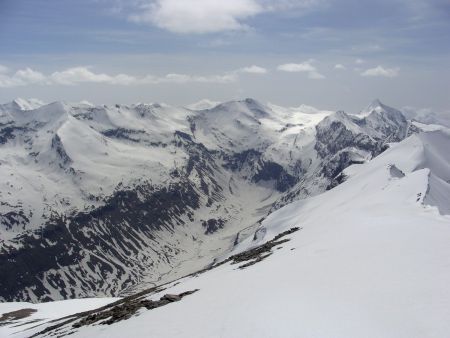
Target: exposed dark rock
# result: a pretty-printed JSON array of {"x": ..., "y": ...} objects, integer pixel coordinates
[
  {"x": 273, "y": 171},
  {"x": 212, "y": 225},
  {"x": 336, "y": 137},
  {"x": 15, "y": 315},
  {"x": 124, "y": 134},
  {"x": 252, "y": 161},
  {"x": 395, "y": 172},
  {"x": 127, "y": 309},
  {"x": 261, "y": 252},
  {"x": 237, "y": 161},
  {"x": 58, "y": 146},
  {"x": 339, "y": 179},
  {"x": 413, "y": 129},
  {"x": 171, "y": 298},
  {"x": 14, "y": 219},
  {"x": 114, "y": 312},
  {"x": 8, "y": 132}
]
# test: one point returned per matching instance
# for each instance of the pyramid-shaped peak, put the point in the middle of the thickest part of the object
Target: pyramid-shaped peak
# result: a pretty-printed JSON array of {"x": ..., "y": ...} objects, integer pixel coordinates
[
  {"x": 27, "y": 104},
  {"x": 376, "y": 103}
]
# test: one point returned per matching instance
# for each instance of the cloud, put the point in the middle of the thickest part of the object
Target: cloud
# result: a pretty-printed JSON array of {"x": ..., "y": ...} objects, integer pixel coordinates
[
  {"x": 296, "y": 67},
  {"x": 339, "y": 66},
  {"x": 381, "y": 71},
  {"x": 22, "y": 77},
  {"x": 198, "y": 16},
  {"x": 28, "y": 75},
  {"x": 304, "y": 67},
  {"x": 282, "y": 5},
  {"x": 209, "y": 16},
  {"x": 78, "y": 75},
  {"x": 3, "y": 69},
  {"x": 184, "y": 78},
  {"x": 253, "y": 70},
  {"x": 359, "y": 61}
]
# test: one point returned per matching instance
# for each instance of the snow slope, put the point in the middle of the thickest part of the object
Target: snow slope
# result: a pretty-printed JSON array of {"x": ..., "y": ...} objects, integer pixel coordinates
[
  {"x": 371, "y": 260},
  {"x": 47, "y": 312}
]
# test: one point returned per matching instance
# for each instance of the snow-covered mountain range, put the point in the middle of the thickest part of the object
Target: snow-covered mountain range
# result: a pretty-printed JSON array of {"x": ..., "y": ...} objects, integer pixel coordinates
[
  {"x": 108, "y": 200},
  {"x": 367, "y": 258}
]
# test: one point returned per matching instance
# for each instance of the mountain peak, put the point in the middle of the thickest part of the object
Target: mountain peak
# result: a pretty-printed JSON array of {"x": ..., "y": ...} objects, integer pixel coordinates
[
  {"x": 252, "y": 103},
  {"x": 376, "y": 103},
  {"x": 246, "y": 104},
  {"x": 249, "y": 100},
  {"x": 202, "y": 105},
  {"x": 27, "y": 104}
]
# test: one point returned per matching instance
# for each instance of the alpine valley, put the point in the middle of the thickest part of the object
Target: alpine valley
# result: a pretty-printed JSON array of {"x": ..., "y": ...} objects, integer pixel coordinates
[{"x": 199, "y": 221}]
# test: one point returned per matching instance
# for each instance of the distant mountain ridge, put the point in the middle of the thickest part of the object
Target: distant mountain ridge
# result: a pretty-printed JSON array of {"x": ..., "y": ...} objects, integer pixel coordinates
[{"x": 99, "y": 200}]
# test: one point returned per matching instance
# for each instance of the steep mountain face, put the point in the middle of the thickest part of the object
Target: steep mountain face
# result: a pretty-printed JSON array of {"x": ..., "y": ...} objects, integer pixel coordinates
[
  {"x": 341, "y": 140},
  {"x": 98, "y": 201}
]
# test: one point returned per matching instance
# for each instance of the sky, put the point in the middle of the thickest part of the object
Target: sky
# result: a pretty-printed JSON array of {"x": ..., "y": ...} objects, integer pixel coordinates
[{"x": 331, "y": 54}]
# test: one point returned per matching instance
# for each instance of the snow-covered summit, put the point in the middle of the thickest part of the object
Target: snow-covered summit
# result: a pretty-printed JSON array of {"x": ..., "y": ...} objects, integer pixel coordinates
[
  {"x": 203, "y": 104},
  {"x": 376, "y": 106},
  {"x": 247, "y": 106},
  {"x": 27, "y": 104}
]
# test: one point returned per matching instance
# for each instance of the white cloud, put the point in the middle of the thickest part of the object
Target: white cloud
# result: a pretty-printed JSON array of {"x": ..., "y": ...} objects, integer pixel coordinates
[
  {"x": 253, "y": 70},
  {"x": 381, "y": 71},
  {"x": 82, "y": 74},
  {"x": 359, "y": 61},
  {"x": 316, "y": 76},
  {"x": 209, "y": 16},
  {"x": 339, "y": 66},
  {"x": 296, "y": 67},
  {"x": 280, "y": 5},
  {"x": 185, "y": 78},
  {"x": 198, "y": 16},
  {"x": 304, "y": 67},
  {"x": 28, "y": 75},
  {"x": 78, "y": 75},
  {"x": 3, "y": 69},
  {"x": 22, "y": 77}
]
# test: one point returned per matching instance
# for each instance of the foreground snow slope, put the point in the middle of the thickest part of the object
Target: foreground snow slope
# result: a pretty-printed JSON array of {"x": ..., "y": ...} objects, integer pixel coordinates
[
  {"x": 46, "y": 312},
  {"x": 371, "y": 260}
]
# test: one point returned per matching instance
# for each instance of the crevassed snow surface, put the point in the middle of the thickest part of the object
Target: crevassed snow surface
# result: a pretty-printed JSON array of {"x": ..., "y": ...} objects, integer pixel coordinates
[{"x": 372, "y": 260}]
